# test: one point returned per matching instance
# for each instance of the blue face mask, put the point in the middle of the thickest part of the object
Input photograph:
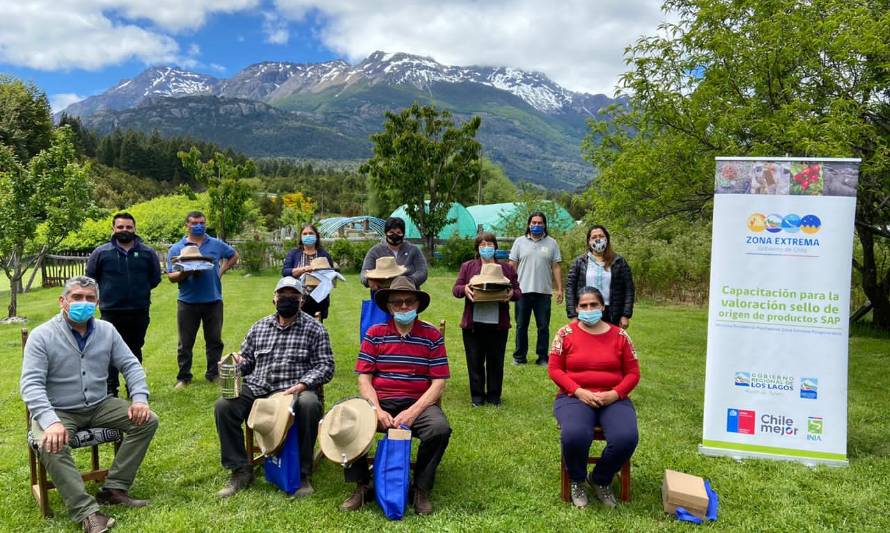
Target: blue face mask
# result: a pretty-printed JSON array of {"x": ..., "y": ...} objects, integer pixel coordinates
[
  {"x": 309, "y": 240},
  {"x": 590, "y": 317},
  {"x": 197, "y": 230},
  {"x": 80, "y": 312},
  {"x": 536, "y": 230},
  {"x": 405, "y": 318},
  {"x": 486, "y": 252}
]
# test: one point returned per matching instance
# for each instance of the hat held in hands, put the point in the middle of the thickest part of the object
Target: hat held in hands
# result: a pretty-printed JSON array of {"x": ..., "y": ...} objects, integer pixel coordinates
[{"x": 270, "y": 419}]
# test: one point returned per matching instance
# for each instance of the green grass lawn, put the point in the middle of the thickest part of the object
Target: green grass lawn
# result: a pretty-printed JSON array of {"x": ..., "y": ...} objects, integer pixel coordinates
[{"x": 501, "y": 470}]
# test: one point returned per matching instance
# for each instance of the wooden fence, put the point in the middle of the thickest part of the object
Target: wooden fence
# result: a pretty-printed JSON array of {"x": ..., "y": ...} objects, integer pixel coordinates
[{"x": 55, "y": 270}]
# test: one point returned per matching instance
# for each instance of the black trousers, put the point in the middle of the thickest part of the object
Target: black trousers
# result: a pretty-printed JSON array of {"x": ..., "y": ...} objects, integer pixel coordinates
[
  {"x": 433, "y": 430},
  {"x": 539, "y": 305},
  {"x": 188, "y": 318},
  {"x": 132, "y": 325},
  {"x": 485, "y": 346},
  {"x": 231, "y": 414}
]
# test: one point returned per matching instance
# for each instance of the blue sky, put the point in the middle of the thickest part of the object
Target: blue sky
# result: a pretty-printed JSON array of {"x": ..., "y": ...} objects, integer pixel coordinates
[{"x": 76, "y": 48}]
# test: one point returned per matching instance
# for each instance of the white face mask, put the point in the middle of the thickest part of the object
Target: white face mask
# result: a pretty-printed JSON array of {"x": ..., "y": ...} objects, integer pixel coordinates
[{"x": 598, "y": 245}]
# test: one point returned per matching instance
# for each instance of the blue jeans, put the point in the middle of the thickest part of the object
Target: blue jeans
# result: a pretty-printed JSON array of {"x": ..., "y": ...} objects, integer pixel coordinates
[
  {"x": 576, "y": 422},
  {"x": 539, "y": 304}
]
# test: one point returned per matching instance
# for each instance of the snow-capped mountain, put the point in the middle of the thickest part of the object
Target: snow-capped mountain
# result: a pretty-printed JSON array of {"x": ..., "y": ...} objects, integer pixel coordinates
[
  {"x": 154, "y": 81},
  {"x": 257, "y": 81}
]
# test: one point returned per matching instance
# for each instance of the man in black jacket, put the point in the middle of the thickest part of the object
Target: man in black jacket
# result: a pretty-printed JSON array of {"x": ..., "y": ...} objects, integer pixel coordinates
[{"x": 126, "y": 270}]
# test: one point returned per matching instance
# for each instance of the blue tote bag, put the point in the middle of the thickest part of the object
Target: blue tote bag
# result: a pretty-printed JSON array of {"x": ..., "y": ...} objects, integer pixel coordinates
[
  {"x": 371, "y": 314},
  {"x": 283, "y": 468},
  {"x": 392, "y": 469}
]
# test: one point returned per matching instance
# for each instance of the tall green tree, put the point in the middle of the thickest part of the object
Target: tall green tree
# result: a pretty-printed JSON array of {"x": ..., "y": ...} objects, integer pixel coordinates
[
  {"x": 227, "y": 187},
  {"x": 494, "y": 185},
  {"x": 26, "y": 122},
  {"x": 753, "y": 78},
  {"x": 427, "y": 160},
  {"x": 51, "y": 192}
]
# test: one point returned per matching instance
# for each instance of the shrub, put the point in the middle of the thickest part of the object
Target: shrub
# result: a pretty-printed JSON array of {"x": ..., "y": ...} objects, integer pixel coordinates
[
  {"x": 455, "y": 250},
  {"x": 349, "y": 255},
  {"x": 254, "y": 254}
]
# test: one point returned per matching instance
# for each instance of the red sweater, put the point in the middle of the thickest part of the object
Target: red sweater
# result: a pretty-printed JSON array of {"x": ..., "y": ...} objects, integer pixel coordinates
[{"x": 597, "y": 363}]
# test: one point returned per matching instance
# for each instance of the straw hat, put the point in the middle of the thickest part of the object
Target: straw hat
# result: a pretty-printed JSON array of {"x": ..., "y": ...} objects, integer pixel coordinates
[
  {"x": 271, "y": 418},
  {"x": 319, "y": 263},
  {"x": 491, "y": 277},
  {"x": 401, "y": 284},
  {"x": 347, "y": 431},
  {"x": 385, "y": 268},
  {"x": 191, "y": 253}
]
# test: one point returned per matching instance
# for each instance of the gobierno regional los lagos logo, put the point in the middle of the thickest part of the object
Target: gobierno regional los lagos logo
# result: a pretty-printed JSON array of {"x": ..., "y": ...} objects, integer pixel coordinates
[{"x": 783, "y": 230}]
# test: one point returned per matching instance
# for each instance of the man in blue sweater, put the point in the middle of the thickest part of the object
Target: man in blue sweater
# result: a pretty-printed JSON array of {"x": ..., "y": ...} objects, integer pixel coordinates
[
  {"x": 64, "y": 385},
  {"x": 126, "y": 270}
]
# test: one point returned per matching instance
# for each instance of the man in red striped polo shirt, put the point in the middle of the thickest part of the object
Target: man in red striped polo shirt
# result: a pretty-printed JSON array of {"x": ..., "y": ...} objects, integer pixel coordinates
[{"x": 402, "y": 367}]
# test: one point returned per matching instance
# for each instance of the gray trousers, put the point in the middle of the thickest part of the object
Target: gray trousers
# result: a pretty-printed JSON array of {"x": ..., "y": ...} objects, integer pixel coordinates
[
  {"x": 231, "y": 414},
  {"x": 110, "y": 413}
]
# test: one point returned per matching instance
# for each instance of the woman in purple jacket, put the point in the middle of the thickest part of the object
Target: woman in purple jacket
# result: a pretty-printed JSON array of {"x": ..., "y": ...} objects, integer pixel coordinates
[{"x": 485, "y": 324}]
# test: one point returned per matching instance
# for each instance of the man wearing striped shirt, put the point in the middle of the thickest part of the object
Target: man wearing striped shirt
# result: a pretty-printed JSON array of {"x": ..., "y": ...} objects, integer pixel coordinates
[{"x": 402, "y": 368}]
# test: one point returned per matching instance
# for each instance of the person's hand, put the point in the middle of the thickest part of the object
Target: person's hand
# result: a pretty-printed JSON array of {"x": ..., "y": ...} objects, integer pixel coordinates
[
  {"x": 559, "y": 296},
  {"x": 606, "y": 398},
  {"x": 384, "y": 419},
  {"x": 296, "y": 389},
  {"x": 470, "y": 293},
  {"x": 405, "y": 417},
  {"x": 238, "y": 358},
  {"x": 587, "y": 397},
  {"x": 299, "y": 271},
  {"x": 509, "y": 295},
  {"x": 623, "y": 322},
  {"x": 373, "y": 284},
  {"x": 139, "y": 413},
  {"x": 54, "y": 438}
]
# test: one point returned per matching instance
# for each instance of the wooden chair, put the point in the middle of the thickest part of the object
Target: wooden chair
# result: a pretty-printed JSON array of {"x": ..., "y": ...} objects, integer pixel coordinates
[
  {"x": 90, "y": 437},
  {"x": 623, "y": 474}
]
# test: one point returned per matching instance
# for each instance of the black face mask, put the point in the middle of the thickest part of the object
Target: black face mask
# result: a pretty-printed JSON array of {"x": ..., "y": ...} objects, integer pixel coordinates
[
  {"x": 125, "y": 236},
  {"x": 395, "y": 240},
  {"x": 288, "y": 307}
]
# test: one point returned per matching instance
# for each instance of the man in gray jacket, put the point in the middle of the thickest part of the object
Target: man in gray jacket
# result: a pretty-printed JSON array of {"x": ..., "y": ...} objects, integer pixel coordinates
[
  {"x": 395, "y": 245},
  {"x": 64, "y": 385}
]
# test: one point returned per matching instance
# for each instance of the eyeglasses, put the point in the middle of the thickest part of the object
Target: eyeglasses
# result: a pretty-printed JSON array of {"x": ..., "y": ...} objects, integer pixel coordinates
[{"x": 403, "y": 302}]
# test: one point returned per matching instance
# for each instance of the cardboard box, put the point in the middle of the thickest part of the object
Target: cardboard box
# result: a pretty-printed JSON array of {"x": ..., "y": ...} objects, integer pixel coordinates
[{"x": 684, "y": 490}]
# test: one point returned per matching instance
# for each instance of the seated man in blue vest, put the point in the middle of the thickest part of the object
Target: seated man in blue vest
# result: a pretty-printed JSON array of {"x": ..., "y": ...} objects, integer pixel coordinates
[{"x": 64, "y": 383}]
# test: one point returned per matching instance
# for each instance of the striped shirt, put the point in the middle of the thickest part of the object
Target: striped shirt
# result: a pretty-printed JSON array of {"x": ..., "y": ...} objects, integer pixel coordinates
[
  {"x": 277, "y": 358},
  {"x": 403, "y": 367}
]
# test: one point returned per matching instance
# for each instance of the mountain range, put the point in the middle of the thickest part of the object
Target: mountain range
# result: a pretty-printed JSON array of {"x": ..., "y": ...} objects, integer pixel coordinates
[{"x": 531, "y": 126}]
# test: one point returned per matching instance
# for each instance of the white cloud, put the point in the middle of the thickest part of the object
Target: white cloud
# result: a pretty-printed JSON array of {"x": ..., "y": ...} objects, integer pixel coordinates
[
  {"x": 275, "y": 28},
  {"x": 92, "y": 34},
  {"x": 577, "y": 43},
  {"x": 60, "y": 101}
]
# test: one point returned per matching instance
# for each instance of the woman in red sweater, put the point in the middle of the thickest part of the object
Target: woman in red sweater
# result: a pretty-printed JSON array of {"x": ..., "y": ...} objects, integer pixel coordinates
[{"x": 595, "y": 366}]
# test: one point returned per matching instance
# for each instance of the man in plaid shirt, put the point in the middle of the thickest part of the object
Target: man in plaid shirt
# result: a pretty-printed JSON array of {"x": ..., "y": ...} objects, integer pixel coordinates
[{"x": 288, "y": 351}]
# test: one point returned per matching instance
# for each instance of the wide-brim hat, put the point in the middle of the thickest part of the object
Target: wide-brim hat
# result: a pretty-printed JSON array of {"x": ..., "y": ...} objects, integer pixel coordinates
[
  {"x": 491, "y": 277},
  {"x": 385, "y": 268},
  {"x": 500, "y": 295},
  {"x": 319, "y": 263},
  {"x": 347, "y": 431},
  {"x": 271, "y": 418},
  {"x": 191, "y": 253},
  {"x": 401, "y": 284}
]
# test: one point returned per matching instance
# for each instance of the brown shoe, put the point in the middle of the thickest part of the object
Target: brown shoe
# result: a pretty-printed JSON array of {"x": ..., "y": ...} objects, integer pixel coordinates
[
  {"x": 357, "y": 500},
  {"x": 241, "y": 479},
  {"x": 422, "y": 503},
  {"x": 305, "y": 489},
  {"x": 97, "y": 523},
  {"x": 118, "y": 497}
]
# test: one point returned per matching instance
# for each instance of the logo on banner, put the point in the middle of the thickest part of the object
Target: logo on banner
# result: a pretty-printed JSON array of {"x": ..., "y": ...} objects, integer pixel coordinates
[
  {"x": 740, "y": 421},
  {"x": 814, "y": 428},
  {"x": 780, "y": 425},
  {"x": 783, "y": 230},
  {"x": 760, "y": 381},
  {"x": 809, "y": 388}
]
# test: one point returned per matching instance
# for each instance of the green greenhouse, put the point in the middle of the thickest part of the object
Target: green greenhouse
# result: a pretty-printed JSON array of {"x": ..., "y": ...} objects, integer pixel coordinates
[
  {"x": 462, "y": 223},
  {"x": 494, "y": 217}
]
